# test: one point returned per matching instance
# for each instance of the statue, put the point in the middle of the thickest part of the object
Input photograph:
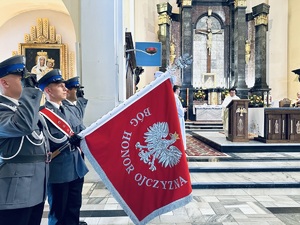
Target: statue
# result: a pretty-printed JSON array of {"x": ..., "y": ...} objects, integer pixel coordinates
[
  {"x": 247, "y": 51},
  {"x": 172, "y": 53},
  {"x": 208, "y": 32}
]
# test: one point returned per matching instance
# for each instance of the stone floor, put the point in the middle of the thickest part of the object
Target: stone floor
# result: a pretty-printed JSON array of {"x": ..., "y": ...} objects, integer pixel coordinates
[{"x": 215, "y": 206}]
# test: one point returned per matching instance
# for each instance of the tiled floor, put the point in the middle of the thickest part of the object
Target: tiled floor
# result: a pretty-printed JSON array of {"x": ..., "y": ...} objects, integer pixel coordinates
[{"x": 226, "y": 206}]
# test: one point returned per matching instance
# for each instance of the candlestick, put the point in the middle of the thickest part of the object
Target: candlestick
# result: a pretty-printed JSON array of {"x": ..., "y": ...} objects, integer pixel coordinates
[{"x": 187, "y": 97}]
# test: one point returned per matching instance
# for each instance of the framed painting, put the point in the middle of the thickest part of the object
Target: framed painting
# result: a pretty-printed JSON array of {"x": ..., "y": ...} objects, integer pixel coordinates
[
  {"x": 37, "y": 56},
  {"x": 209, "y": 80}
]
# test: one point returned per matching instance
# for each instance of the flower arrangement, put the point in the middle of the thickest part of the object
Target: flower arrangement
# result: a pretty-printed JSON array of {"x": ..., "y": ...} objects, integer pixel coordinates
[
  {"x": 199, "y": 95},
  {"x": 224, "y": 93},
  {"x": 256, "y": 101}
]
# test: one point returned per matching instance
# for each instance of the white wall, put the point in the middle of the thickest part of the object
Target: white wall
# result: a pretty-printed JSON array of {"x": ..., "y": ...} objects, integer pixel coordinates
[
  {"x": 277, "y": 49},
  {"x": 12, "y": 32},
  {"x": 102, "y": 47}
]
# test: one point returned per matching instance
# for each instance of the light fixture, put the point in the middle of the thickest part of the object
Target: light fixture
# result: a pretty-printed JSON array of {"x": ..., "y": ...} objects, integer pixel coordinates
[{"x": 148, "y": 51}]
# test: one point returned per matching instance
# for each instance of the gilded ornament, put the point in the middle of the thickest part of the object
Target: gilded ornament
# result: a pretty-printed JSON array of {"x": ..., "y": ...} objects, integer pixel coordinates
[
  {"x": 187, "y": 3},
  {"x": 240, "y": 3},
  {"x": 261, "y": 20},
  {"x": 164, "y": 18}
]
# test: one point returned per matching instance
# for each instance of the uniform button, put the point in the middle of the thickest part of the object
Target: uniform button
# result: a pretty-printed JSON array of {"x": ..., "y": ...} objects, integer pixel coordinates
[{"x": 33, "y": 96}]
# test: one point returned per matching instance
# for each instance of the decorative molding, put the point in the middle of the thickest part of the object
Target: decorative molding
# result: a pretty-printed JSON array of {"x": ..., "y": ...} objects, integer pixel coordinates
[
  {"x": 164, "y": 18},
  {"x": 44, "y": 35},
  {"x": 261, "y": 20},
  {"x": 240, "y": 3},
  {"x": 186, "y": 3},
  {"x": 164, "y": 7}
]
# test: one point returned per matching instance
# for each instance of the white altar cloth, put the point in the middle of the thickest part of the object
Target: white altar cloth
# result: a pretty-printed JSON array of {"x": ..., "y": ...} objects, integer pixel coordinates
[{"x": 208, "y": 112}]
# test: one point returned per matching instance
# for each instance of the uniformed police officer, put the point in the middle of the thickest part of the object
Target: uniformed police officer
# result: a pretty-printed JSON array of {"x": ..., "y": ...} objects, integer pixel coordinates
[
  {"x": 23, "y": 151},
  {"x": 75, "y": 102},
  {"x": 67, "y": 169}
]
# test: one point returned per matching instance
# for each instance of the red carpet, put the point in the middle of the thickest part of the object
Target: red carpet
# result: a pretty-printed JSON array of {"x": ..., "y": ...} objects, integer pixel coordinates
[{"x": 198, "y": 148}]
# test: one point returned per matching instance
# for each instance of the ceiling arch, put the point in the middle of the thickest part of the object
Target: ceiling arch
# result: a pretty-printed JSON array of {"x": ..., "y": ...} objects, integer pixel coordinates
[{"x": 12, "y": 8}]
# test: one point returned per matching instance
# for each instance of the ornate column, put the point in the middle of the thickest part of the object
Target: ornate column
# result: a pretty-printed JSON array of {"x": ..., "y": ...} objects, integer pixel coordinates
[
  {"x": 239, "y": 39},
  {"x": 261, "y": 88},
  {"x": 187, "y": 48},
  {"x": 260, "y": 14},
  {"x": 164, "y": 10}
]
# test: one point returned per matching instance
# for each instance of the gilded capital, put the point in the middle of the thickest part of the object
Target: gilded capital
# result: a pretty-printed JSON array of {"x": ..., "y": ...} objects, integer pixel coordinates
[
  {"x": 164, "y": 18},
  {"x": 164, "y": 7},
  {"x": 261, "y": 20},
  {"x": 186, "y": 3},
  {"x": 240, "y": 3}
]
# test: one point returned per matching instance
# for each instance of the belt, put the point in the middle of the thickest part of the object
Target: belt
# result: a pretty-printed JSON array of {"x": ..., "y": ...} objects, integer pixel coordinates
[{"x": 26, "y": 159}]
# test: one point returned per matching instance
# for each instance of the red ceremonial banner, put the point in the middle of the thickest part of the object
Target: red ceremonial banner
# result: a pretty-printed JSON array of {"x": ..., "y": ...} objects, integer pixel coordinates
[{"x": 138, "y": 152}]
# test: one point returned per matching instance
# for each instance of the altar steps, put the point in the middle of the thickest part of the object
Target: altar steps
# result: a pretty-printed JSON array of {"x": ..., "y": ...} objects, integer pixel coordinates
[
  {"x": 232, "y": 175},
  {"x": 203, "y": 126},
  {"x": 217, "y": 140},
  {"x": 250, "y": 164}
]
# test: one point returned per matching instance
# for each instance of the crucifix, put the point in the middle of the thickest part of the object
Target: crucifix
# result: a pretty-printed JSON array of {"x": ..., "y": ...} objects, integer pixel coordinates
[{"x": 209, "y": 34}]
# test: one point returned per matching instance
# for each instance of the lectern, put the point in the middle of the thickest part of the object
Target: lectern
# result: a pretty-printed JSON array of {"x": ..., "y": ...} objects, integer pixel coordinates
[{"x": 238, "y": 120}]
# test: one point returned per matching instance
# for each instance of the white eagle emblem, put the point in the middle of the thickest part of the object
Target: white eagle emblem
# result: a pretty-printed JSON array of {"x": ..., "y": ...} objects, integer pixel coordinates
[{"x": 158, "y": 147}]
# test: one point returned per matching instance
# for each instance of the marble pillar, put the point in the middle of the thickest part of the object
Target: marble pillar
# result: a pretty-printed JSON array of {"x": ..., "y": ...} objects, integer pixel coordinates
[
  {"x": 239, "y": 40},
  {"x": 260, "y": 14},
  {"x": 185, "y": 7},
  {"x": 164, "y": 10}
]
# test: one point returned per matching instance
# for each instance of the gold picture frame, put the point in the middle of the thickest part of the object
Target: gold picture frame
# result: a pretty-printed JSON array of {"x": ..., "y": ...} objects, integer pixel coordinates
[
  {"x": 209, "y": 80},
  {"x": 53, "y": 51}
]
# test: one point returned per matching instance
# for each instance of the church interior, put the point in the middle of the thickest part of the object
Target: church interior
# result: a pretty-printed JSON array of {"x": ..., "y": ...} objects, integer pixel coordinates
[
  {"x": 250, "y": 45},
  {"x": 233, "y": 54}
]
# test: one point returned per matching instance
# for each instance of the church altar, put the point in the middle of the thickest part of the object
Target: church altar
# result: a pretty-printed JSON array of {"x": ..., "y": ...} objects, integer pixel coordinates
[
  {"x": 256, "y": 121},
  {"x": 208, "y": 113},
  {"x": 275, "y": 125}
]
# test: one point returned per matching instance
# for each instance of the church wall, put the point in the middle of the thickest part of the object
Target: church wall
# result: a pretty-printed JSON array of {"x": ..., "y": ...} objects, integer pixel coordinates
[
  {"x": 277, "y": 45},
  {"x": 103, "y": 63},
  {"x": 12, "y": 32},
  {"x": 293, "y": 47},
  {"x": 146, "y": 27}
]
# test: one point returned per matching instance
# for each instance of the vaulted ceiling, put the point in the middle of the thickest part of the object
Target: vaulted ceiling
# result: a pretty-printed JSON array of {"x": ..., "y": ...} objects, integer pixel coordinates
[{"x": 11, "y": 8}]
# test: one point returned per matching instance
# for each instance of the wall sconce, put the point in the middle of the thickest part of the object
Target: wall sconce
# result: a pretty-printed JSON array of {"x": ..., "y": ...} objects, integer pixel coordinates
[{"x": 147, "y": 51}]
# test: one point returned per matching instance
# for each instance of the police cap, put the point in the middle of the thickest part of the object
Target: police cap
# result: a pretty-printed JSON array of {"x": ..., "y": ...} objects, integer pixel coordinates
[
  {"x": 13, "y": 65},
  {"x": 72, "y": 83},
  {"x": 53, "y": 76}
]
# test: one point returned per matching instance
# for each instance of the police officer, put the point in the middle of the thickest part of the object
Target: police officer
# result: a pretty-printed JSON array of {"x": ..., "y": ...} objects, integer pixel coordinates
[
  {"x": 67, "y": 167},
  {"x": 75, "y": 102},
  {"x": 23, "y": 151}
]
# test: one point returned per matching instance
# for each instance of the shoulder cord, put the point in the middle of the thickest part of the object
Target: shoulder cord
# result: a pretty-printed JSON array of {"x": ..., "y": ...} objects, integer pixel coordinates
[
  {"x": 34, "y": 134},
  {"x": 20, "y": 146},
  {"x": 51, "y": 138}
]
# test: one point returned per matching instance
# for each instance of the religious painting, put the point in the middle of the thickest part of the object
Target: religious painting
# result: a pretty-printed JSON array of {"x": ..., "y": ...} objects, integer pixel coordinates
[
  {"x": 41, "y": 58},
  {"x": 209, "y": 80}
]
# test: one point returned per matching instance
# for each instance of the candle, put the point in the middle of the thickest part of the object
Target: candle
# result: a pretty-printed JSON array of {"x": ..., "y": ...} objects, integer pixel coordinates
[{"x": 187, "y": 97}]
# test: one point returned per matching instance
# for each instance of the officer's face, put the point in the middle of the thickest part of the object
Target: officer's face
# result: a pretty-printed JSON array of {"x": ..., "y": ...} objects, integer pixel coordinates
[
  {"x": 71, "y": 94},
  {"x": 56, "y": 92},
  {"x": 11, "y": 86}
]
